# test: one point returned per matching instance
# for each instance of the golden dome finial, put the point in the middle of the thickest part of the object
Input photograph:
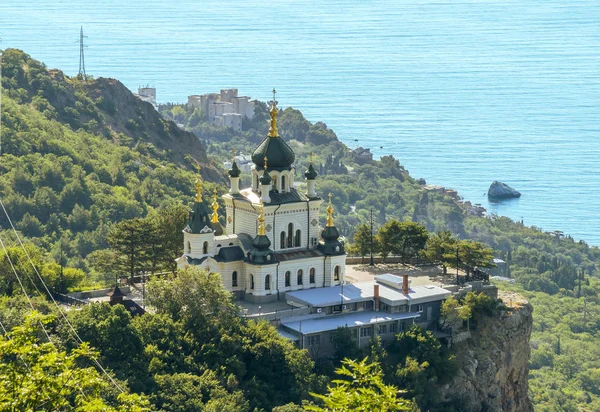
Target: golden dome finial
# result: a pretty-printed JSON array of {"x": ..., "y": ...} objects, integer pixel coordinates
[
  {"x": 233, "y": 152},
  {"x": 330, "y": 212},
  {"x": 261, "y": 220},
  {"x": 273, "y": 128},
  {"x": 198, "y": 185},
  {"x": 266, "y": 162},
  {"x": 310, "y": 157},
  {"x": 214, "y": 218}
]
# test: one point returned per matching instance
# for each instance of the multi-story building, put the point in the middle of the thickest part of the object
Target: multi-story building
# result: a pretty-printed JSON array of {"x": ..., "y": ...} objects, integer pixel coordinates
[{"x": 225, "y": 109}]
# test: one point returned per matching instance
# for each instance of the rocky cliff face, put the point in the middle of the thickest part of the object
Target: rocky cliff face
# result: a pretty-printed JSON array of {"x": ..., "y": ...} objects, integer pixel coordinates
[{"x": 494, "y": 362}]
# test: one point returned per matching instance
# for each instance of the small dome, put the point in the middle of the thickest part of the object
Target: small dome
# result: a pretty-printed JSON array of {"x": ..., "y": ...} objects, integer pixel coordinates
[
  {"x": 235, "y": 170},
  {"x": 311, "y": 173},
  {"x": 265, "y": 179}
]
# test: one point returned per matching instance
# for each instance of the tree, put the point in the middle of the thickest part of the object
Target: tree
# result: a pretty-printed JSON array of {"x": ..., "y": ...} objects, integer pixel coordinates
[
  {"x": 128, "y": 238},
  {"x": 362, "y": 389},
  {"x": 362, "y": 240},
  {"x": 167, "y": 222},
  {"x": 440, "y": 248},
  {"x": 472, "y": 253},
  {"x": 35, "y": 375},
  {"x": 344, "y": 345},
  {"x": 406, "y": 239}
]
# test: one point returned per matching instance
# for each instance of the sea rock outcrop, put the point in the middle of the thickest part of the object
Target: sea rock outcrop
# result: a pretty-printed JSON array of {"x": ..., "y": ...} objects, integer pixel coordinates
[
  {"x": 499, "y": 190},
  {"x": 493, "y": 372}
]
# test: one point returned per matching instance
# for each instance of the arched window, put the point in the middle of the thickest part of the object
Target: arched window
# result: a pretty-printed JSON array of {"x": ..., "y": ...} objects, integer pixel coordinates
[
  {"x": 290, "y": 235},
  {"x": 234, "y": 282},
  {"x": 336, "y": 273},
  {"x": 297, "y": 238},
  {"x": 288, "y": 281},
  {"x": 205, "y": 248},
  {"x": 268, "y": 282},
  {"x": 189, "y": 247},
  {"x": 282, "y": 240},
  {"x": 283, "y": 183},
  {"x": 256, "y": 181},
  {"x": 252, "y": 282},
  {"x": 274, "y": 183},
  {"x": 300, "y": 280},
  {"x": 311, "y": 276}
]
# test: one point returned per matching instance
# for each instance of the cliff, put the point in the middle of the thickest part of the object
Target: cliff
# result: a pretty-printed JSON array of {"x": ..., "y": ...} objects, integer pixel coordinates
[{"x": 493, "y": 372}]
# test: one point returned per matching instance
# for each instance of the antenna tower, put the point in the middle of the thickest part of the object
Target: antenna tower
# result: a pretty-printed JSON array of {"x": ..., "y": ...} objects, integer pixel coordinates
[{"x": 81, "y": 56}]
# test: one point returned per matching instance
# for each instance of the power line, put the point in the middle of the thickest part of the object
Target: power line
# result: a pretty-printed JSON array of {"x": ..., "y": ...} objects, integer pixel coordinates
[{"x": 60, "y": 310}]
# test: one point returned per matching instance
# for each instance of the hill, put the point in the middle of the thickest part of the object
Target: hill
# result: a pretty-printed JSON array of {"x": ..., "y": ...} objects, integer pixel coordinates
[{"x": 79, "y": 155}]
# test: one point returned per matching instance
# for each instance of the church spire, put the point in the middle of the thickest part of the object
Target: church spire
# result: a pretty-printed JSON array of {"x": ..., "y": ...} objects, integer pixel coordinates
[
  {"x": 198, "y": 185},
  {"x": 330, "y": 213},
  {"x": 214, "y": 218},
  {"x": 261, "y": 220},
  {"x": 273, "y": 128}
]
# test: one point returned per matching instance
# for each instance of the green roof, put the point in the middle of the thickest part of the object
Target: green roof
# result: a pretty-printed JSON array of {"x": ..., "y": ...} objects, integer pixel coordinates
[{"x": 279, "y": 155}]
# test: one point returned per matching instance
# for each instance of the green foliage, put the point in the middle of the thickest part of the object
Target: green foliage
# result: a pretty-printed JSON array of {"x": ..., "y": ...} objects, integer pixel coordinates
[
  {"x": 405, "y": 239},
  {"x": 567, "y": 377},
  {"x": 361, "y": 389},
  {"x": 70, "y": 168},
  {"x": 35, "y": 375}
]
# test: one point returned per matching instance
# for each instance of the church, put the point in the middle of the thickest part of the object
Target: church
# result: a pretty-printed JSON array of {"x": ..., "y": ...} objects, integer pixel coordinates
[{"x": 272, "y": 242}]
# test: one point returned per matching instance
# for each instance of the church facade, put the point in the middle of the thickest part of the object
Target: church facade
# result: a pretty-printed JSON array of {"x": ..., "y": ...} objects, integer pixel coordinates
[{"x": 272, "y": 242}]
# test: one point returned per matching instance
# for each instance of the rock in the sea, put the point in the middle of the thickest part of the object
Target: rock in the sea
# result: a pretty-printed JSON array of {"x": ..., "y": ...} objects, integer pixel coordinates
[
  {"x": 421, "y": 181},
  {"x": 499, "y": 190}
]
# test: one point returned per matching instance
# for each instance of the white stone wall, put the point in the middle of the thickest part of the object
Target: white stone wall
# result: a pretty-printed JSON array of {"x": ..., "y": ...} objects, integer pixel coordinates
[{"x": 196, "y": 241}]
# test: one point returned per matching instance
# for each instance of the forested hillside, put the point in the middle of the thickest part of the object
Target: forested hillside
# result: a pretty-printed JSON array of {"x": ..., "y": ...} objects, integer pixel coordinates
[{"x": 79, "y": 157}]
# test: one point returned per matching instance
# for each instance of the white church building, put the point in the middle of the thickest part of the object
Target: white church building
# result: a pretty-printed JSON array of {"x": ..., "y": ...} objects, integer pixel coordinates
[{"x": 272, "y": 242}]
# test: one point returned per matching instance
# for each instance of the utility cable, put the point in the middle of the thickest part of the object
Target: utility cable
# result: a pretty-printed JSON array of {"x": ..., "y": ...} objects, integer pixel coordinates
[{"x": 60, "y": 310}]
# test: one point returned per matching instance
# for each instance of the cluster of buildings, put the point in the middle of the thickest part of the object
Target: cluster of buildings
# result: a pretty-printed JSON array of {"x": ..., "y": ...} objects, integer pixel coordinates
[
  {"x": 224, "y": 109},
  {"x": 273, "y": 248}
]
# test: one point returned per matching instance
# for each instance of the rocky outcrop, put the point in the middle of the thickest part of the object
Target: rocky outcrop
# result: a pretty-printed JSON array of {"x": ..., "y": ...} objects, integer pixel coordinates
[
  {"x": 499, "y": 190},
  {"x": 494, "y": 363}
]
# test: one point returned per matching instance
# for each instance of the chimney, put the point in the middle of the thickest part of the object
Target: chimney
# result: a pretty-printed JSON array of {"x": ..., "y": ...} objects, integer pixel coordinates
[
  {"x": 376, "y": 297},
  {"x": 405, "y": 284}
]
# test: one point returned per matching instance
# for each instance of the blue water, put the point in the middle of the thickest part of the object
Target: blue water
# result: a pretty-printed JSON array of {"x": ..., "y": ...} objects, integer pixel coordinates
[{"x": 462, "y": 92}]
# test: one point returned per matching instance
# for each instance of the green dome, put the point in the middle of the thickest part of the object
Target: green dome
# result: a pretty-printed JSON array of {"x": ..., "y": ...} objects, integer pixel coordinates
[
  {"x": 311, "y": 173},
  {"x": 280, "y": 156},
  {"x": 235, "y": 170},
  {"x": 265, "y": 179}
]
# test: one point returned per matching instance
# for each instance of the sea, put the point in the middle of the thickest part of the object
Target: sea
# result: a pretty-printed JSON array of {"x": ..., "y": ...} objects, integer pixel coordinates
[{"x": 462, "y": 92}]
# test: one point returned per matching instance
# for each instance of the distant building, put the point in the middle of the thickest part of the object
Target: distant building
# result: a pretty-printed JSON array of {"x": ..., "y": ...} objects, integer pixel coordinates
[
  {"x": 243, "y": 162},
  {"x": 225, "y": 109},
  {"x": 148, "y": 94}
]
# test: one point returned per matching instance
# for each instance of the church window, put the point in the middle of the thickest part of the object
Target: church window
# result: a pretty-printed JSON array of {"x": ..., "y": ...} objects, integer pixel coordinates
[
  {"x": 234, "y": 282},
  {"x": 189, "y": 247},
  {"x": 288, "y": 281},
  {"x": 282, "y": 240},
  {"x": 300, "y": 280},
  {"x": 275, "y": 183},
  {"x": 252, "y": 282},
  {"x": 311, "y": 277},
  {"x": 283, "y": 183},
  {"x": 297, "y": 238},
  {"x": 336, "y": 273},
  {"x": 268, "y": 282},
  {"x": 290, "y": 235},
  {"x": 205, "y": 248}
]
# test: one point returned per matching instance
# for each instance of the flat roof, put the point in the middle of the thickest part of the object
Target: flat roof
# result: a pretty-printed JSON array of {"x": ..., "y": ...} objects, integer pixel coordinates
[
  {"x": 287, "y": 335},
  {"x": 364, "y": 291},
  {"x": 350, "y": 320}
]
